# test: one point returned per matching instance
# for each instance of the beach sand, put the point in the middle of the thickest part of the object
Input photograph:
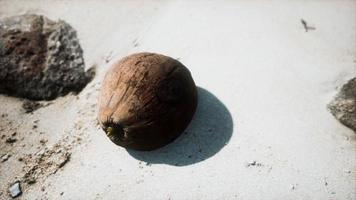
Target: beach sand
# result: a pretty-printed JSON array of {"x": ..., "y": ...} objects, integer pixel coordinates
[{"x": 262, "y": 129}]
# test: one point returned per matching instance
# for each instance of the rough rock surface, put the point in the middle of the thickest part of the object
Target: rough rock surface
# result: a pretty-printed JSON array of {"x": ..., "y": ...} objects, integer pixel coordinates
[
  {"x": 39, "y": 58},
  {"x": 343, "y": 107}
]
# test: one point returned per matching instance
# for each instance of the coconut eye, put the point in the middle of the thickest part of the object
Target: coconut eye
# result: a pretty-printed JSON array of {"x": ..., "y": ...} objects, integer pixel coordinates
[
  {"x": 115, "y": 132},
  {"x": 109, "y": 131}
]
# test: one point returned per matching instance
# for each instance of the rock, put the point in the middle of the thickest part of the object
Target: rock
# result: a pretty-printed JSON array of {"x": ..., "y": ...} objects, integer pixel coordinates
[
  {"x": 15, "y": 190},
  {"x": 5, "y": 157},
  {"x": 40, "y": 59},
  {"x": 343, "y": 107}
]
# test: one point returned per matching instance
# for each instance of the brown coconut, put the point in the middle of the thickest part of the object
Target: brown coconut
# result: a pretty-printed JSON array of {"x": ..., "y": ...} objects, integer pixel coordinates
[{"x": 146, "y": 101}]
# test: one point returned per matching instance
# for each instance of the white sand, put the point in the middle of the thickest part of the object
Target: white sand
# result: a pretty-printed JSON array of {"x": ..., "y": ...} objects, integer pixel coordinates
[{"x": 271, "y": 76}]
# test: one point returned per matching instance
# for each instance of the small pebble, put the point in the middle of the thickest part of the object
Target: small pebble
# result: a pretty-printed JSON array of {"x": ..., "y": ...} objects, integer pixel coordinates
[
  {"x": 15, "y": 190},
  {"x": 254, "y": 163},
  {"x": 43, "y": 141},
  {"x": 11, "y": 140},
  {"x": 5, "y": 157}
]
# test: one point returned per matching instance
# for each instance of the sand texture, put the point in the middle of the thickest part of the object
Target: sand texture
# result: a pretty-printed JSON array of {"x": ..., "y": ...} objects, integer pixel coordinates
[{"x": 266, "y": 73}]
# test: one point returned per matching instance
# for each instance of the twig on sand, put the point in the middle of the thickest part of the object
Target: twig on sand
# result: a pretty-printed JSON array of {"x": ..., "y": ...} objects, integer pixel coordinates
[{"x": 306, "y": 27}]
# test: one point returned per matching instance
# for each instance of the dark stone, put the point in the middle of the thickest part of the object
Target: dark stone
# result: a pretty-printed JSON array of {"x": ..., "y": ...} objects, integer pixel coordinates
[
  {"x": 343, "y": 107},
  {"x": 40, "y": 59}
]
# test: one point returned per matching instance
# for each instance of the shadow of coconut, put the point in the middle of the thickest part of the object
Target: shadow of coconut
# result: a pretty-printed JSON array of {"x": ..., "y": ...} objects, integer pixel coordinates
[{"x": 209, "y": 131}]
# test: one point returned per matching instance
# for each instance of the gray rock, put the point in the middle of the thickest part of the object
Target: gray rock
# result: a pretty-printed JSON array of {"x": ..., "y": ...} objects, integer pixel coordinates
[
  {"x": 343, "y": 107},
  {"x": 40, "y": 59},
  {"x": 15, "y": 190}
]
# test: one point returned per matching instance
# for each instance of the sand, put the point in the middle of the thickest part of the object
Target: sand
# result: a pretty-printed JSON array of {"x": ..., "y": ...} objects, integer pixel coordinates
[{"x": 262, "y": 129}]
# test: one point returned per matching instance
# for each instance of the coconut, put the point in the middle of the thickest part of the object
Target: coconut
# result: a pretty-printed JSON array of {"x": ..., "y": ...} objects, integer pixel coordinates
[{"x": 146, "y": 101}]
